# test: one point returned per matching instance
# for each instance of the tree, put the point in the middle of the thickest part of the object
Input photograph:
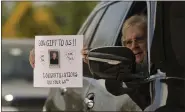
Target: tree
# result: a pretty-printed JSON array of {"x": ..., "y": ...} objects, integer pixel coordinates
[
  {"x": 61, "y": 18},
  {"x": 71, "y": 15}
]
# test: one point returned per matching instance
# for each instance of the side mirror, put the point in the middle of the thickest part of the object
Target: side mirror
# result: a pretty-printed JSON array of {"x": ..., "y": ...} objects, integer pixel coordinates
[{"x": 115, "y": 63}]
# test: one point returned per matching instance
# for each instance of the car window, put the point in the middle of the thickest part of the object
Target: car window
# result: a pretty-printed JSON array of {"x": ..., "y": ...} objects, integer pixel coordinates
[
  {"x": 109, "y": 25},
  {"x": 137, "y": 7},
  {"x": 89, "y": 31}
]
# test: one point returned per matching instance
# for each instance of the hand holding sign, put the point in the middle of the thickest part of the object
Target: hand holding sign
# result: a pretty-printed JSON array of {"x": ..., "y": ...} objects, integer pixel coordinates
[
  {"x": 32, "y": 58},
  {"x": 56, "y": 60}
]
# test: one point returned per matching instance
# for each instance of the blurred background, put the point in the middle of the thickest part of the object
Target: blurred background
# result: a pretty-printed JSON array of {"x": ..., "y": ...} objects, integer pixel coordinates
[{"x": 21, "y": 21}]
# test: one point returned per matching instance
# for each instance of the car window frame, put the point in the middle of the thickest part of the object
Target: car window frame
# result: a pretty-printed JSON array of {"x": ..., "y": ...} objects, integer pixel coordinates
[
  {"x": 100, "y": 6},
  {"x": 87, "y": 41},
  {"x": 119, "y": 28}
]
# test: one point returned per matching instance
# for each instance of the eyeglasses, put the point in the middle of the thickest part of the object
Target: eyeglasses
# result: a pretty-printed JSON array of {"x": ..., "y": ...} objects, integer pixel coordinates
[{"x": 137, "y": 40}]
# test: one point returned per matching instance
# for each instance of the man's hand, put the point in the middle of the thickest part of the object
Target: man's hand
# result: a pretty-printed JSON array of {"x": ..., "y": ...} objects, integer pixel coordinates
[
  {"x": 84, "y": 53},
  {"x": 32, "y": 58}
]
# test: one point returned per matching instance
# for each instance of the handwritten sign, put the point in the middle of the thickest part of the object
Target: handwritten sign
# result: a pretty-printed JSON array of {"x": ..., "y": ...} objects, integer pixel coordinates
[{"x": 58, "y": 61}]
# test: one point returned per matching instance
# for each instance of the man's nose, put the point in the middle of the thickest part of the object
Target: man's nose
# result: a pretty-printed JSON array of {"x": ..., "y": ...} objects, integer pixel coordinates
[{"x": 134, "y": 45}]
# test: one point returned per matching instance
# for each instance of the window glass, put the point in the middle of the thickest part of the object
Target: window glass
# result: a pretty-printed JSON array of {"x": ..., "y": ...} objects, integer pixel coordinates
[
  {"x": 109, "y": 25},
  {"x": 89, "y": 31}
]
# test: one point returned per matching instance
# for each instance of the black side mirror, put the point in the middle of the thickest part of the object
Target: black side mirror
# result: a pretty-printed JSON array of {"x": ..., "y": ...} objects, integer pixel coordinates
[{"x": 115, "y": 63}]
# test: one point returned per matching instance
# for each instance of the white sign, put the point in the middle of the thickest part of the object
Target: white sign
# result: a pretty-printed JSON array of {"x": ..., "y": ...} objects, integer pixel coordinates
[{"x": 58, "y": 61}]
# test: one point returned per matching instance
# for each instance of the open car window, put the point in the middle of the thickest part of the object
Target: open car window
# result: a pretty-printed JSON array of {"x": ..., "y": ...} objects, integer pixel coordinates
[{"x": 108, "y": 27}]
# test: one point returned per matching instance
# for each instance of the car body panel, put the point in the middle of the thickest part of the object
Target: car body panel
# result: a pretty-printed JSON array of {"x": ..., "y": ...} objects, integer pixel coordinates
[{"x": 74, "y": 98}]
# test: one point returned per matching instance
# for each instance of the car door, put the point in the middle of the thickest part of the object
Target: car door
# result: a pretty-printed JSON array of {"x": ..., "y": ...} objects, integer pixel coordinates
[
  {"x": 73, "y": 98},
  {"x": 105, "y": 40},
  {"x": 102, "y": 28},
  {"x": 106, "y": 34}
]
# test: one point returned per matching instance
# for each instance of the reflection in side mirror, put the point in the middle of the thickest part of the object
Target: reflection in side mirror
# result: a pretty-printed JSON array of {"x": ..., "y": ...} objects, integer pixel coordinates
[{"x": 116, "y": 63}]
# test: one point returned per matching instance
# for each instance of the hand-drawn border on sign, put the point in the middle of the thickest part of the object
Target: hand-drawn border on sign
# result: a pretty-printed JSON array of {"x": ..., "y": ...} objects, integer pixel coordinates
[{"x": 50, "y": 65}]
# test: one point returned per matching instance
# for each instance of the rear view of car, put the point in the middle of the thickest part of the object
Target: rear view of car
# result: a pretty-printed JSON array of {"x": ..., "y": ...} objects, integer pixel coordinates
[{"x": 18, "y": 92}]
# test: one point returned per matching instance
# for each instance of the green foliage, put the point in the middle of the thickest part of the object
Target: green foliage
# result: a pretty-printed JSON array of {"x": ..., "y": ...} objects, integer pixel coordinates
[
  {"x": 26, "y": 27},
  {"x": 4, "y": 13},
  {"x": 65, "y": 18},
  {"x": 71, "y": 15}
]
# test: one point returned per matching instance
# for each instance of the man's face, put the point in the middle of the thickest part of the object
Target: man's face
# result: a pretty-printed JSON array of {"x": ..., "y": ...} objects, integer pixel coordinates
[
  {"x": 54, "y": 55},
  {"x": 135, "y": 40}
]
